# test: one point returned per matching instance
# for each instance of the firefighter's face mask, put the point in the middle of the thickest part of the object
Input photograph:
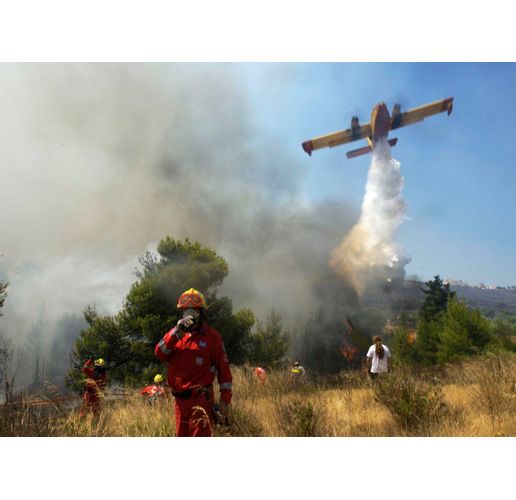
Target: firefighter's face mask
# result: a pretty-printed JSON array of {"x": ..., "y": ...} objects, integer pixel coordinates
[{"x": 194, "y": 313}]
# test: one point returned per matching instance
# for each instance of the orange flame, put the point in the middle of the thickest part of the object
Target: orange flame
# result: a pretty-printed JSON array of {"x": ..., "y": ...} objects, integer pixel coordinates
[{"x": 349, "y": 352}]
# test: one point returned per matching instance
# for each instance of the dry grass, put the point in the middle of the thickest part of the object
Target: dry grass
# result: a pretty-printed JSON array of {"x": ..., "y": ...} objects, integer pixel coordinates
[{"x": 477, "y": 398}]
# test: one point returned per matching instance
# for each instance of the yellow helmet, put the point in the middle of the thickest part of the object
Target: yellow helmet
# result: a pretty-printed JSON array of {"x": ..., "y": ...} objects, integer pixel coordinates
[
  {"x": 158, "y": 378},
  {"x": 191, "y": 298},
  {"x": 100, "y": 362}
]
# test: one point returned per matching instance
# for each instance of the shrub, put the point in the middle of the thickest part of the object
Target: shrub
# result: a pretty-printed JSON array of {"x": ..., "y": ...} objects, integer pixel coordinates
[
  {"x": 494, "y": 383},
  {"x": 415, "y": 405},
  {"x": 464, "y": 332},
  {"x": 298, "y": 418},
  {"x": 241, "y": 424}
]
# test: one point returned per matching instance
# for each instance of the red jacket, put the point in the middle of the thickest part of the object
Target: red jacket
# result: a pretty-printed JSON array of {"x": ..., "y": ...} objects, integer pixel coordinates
[
  {"x": 95, "y": 381},
  {"x": 194, "y": 360},
  {"x": 153, "y": 390}
]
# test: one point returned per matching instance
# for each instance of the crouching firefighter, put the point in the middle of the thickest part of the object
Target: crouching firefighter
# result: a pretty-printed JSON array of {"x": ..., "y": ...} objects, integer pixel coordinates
[
  {"x": 195, "y": 354},
  {"x": 154, "y": 392}
]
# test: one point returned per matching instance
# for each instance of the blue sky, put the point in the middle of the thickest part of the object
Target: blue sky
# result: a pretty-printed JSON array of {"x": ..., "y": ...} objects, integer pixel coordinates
[{"x": 459, "y": 171}]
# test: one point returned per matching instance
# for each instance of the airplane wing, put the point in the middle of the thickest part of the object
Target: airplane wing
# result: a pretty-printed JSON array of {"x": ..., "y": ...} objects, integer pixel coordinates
[
  {"x": 337, "y": 138},
  {"x": 419, "y": 114}
]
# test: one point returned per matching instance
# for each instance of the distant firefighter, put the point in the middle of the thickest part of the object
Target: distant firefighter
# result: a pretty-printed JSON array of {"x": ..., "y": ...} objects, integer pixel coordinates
[
  {"x": 297, "y": 372},
  {"x": 155, "y": 391},
  {"x": 260, "y": 374},
  {"x": 96, "y": 377},
  {"x": 377, "y": 357}
]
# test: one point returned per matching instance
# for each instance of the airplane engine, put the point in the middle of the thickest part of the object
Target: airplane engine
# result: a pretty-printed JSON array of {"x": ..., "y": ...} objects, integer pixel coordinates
[
  {"x": 396, "y": 116},
  {"x": 355, "y": 126}
]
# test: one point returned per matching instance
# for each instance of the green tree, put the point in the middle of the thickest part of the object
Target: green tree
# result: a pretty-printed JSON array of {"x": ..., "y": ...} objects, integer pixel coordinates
[
  {"x": 437, "y": 297},
  {"x": 127, "y": 339},
  {"x": 464, "y": 332},
  {"x": 503, "y": 332},
  {"x": 427, "y": 341},
  {"x": 403, "y": 345},
  {"x": 436, "y": 300},
  {"x": 269, "y": 344}
]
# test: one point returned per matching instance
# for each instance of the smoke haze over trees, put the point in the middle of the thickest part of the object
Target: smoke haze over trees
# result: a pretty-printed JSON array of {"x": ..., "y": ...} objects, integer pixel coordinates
[
  {"x": 101, "y": 160},
  {"x": 3, "y": 294},
  {"x": 127, "y": 340}
]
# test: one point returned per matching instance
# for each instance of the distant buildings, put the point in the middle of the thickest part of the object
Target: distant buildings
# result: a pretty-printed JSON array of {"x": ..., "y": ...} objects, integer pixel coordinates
[{"x": 481, "y": 286}]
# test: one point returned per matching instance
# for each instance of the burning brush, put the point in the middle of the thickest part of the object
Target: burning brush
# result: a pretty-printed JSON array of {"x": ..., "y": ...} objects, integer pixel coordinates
[{"x": 348, "y": 350}]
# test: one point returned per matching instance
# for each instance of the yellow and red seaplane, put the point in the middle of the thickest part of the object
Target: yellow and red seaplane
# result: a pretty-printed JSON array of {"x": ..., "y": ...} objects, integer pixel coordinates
[{"x": 381, "y": 123}]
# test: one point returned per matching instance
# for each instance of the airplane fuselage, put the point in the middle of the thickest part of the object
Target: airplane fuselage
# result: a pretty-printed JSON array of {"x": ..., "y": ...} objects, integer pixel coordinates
[{"x": 380, "y": 122}]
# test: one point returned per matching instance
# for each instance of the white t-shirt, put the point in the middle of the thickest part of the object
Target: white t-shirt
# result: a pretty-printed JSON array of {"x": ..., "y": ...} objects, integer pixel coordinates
[{"x": 378, "y": 365}]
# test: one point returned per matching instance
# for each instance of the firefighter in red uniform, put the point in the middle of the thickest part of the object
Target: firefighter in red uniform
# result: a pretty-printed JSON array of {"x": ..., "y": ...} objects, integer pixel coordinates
[
  {"x": 95, "y": 385},
  {"x": 155, "y": 391},
  {"x": 195, "y": 354},
  {"x": 260, "y": 373}
]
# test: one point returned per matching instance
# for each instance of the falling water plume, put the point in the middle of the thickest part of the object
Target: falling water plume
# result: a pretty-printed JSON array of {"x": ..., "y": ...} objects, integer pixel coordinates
[{"x": 368, "y": 253}]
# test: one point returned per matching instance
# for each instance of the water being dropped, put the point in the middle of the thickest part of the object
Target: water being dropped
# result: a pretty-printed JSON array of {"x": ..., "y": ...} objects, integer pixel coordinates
[{"x": 369, "y": 253}]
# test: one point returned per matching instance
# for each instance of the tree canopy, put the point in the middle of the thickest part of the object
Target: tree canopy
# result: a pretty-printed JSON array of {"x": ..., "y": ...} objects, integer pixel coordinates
[
  {"x": 269, "y": 343},
  {"x": 464, "y": 332},
  {"x": 447, "y": 330},
  {"x": 436, "y": 300}
]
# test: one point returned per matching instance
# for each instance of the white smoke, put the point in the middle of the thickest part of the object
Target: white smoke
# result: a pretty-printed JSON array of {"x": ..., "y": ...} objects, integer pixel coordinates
[
  {"x": 101, "y": 161},
  {"x": 368, "y": 252}
]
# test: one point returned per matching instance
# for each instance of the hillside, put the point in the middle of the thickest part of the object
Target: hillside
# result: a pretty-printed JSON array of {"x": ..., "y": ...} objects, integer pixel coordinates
[{"x": 408, "y": 296}]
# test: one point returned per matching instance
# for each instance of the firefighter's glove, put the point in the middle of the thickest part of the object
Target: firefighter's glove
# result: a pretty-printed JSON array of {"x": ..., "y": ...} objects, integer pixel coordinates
[
  {"x": 221, "y": 413},
  {"x": 183, "y": 325},
  {"x": 224, "y": 408}
]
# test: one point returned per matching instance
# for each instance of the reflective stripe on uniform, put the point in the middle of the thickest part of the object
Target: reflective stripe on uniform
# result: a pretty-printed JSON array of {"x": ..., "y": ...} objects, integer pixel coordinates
[
  {"x": 162, "y": 347},
  {"x": 226, "y": 385}
]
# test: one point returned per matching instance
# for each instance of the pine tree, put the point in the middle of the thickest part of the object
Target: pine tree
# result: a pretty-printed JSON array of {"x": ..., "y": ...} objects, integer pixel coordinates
[
  {"x": 464, "y": 332},
  {"x": 427, "y": 341},
  {"x": 269, "y": 344},
  {"x": 436, "y": 300}
]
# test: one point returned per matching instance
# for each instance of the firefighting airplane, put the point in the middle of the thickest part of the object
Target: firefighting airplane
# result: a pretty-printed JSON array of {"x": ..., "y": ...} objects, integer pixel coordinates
[{"x": 381, "y": 123}]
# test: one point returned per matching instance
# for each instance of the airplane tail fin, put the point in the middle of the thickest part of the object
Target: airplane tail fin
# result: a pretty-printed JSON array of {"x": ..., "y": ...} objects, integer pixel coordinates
[
  {"x": 358, "y": 152},
  {"x": 367, "y": 149}
]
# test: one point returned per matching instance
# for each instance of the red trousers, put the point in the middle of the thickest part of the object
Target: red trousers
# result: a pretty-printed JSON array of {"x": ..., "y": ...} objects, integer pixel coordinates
[
  {"x": 194, "y": 415},
  {"x": 90, "y": 403}
]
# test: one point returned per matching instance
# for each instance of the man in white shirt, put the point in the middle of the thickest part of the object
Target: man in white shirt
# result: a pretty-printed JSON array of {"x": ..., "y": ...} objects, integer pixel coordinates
[{"x": 377, "y": 357}]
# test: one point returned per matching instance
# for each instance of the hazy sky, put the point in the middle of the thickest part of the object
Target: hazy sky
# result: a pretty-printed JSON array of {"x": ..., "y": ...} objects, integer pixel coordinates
[{"x": 459, "y": 171}]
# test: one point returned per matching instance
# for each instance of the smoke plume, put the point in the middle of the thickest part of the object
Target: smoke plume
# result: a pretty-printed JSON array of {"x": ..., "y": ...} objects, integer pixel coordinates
[
  {"x": 368, "y": 255},
  {"x": 101, "y": 161}
]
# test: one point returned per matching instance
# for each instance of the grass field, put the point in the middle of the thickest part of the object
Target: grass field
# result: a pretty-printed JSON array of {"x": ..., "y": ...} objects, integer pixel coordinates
[{"x": 477, "y": 398}]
